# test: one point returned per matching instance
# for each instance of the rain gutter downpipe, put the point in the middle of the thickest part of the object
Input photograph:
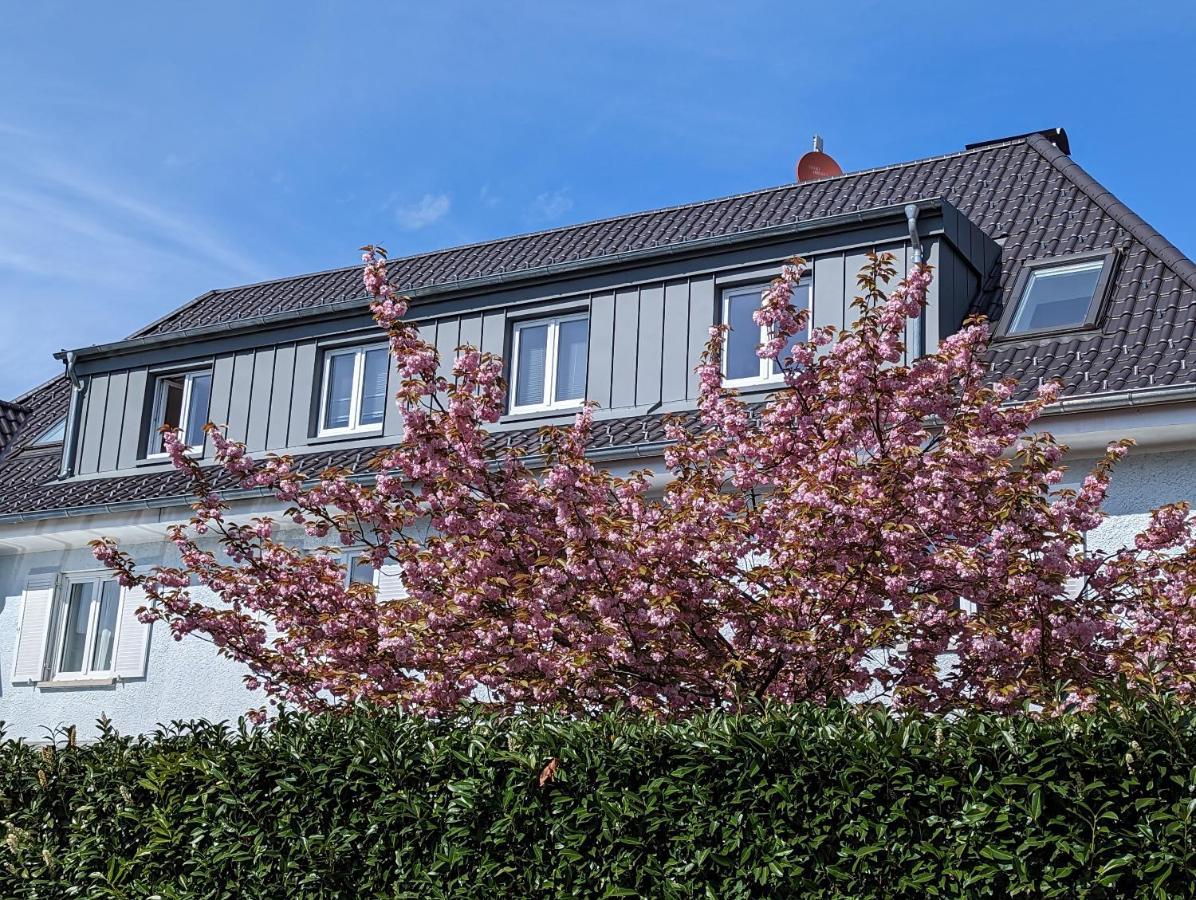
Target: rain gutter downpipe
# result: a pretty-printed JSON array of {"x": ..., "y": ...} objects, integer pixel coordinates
[
  {"x": 69, "y": 444},
  {"x": 918, "y": 339}
]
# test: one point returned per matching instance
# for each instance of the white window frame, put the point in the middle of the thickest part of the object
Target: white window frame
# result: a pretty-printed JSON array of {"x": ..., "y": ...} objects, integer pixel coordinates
[
  {"x": 765, "y": 373},
  {"x": 58, "y": 620},
  {"x": 156, "y": 422},
  {"x": 550, "y": 359},
  {"x": 354, "y": 426},
  {"x": 1057, "y": 266},
  {"x": 346, "y": 559},
  {"x": 376, "y": 579}
]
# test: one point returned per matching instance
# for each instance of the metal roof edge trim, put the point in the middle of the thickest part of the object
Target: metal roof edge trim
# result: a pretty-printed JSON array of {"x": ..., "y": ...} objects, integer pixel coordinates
[{"x": 591, "y": 263}]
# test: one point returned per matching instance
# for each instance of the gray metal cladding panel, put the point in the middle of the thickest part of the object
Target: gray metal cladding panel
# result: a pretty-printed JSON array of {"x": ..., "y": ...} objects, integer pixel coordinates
[
  {"x": 239, "y": 396},
  {"x": 494, "y": 332},
  {"x": 303, "y": 394},
  {"x": 471, "y": 330},
  {"x": 650, "y": 345},
  {"x": 427, "y": 332},
  {"x": 260, "y": 399},
  {"x": 392, "y": 422},
  {"x": 136, "y": 418},
  {"x": 222, "y": 387},
  {"x": 624, "y": 351},
  {"x": 703, "y": 314},
  {"x": 675, "y": 351},
  {"x": 828, "y": 288},
  {"x": 942, "y": 288},
  {"x": 448, "y": 337},
  {"x": 118, "y": 384},
  {"x": 92, "y": 424},
  {"x": 602, "y": 342},
  {"x": 281, "y": 378}
]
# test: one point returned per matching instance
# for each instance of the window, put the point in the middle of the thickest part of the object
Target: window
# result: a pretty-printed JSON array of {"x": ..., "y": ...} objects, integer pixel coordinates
[
  {"x": 52, "y": 435},
  {"x": 550, "y": 357},
  {"x": 387, "y": 581},
  {"x": 1058, "y": 296},
  {"x": 358, "y": 568},
  {"x": 85, "y": 627},
  {"x": 353, "y": 398},
  {"x": 180, "y": 401},
  {"x": 741, "y": 365}
]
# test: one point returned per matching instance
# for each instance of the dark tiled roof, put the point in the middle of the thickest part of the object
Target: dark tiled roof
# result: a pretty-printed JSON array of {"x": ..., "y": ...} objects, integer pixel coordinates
[
  {"x": 1025, "y": 192},
  {"x": 28, "y": 485},
  {"x": 11, "y": 417}
]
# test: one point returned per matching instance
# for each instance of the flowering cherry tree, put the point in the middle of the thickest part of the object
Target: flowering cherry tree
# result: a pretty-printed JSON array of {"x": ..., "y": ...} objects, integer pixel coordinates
[{"x": 878, "y": 527}]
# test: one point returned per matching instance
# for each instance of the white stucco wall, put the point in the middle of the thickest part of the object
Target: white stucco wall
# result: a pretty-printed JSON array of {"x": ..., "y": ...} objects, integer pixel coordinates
[
  {"x": 1141, "y": 482},
  {"x": 184, "y": 679}
]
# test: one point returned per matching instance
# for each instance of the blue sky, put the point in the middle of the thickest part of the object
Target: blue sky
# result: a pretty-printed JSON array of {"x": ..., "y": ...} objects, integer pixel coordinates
[{"x": 151, "y": 151}]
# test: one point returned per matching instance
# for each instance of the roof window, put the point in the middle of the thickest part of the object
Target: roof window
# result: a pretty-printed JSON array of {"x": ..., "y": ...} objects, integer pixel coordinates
[
  {"x": 1056, "y": 296},
  {"x": 52, "y": 435}
]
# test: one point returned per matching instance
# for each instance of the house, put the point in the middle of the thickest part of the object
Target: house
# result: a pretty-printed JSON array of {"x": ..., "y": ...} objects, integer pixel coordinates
[{"x": 615, "y": 311}]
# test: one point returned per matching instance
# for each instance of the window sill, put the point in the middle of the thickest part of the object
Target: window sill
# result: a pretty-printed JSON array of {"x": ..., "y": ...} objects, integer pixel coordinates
[
  {"x": 66, "y": 683},
  {"x": 752, "y": 387},
  {"x": 528, "y": 415},
  {"x": 164, "y": 460},
  {"x": 356, "y": 435}
]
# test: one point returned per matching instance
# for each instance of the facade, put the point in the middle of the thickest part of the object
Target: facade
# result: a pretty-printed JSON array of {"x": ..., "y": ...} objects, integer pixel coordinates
[{"x": 616, "y": 311}]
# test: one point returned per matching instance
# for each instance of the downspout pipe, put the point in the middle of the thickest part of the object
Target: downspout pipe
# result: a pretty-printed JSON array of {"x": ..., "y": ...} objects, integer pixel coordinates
[
  {"x": 911, "y": 218},
  {"x": 70, "y": 446},
  {"x": 917, "y": 342}
]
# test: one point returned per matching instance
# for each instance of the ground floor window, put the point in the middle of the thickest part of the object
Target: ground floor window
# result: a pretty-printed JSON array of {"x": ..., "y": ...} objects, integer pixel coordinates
[{"x": 86, "y": 627}]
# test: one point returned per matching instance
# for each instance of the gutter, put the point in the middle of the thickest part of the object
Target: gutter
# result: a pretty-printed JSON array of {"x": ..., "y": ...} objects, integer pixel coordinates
[
  {"x": 590, "y": 263},
  {"x": 1180, "y": 393}
]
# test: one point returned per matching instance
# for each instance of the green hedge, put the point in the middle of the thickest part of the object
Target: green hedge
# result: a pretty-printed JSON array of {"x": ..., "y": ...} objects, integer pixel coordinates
[{"x": 784, "y": 802}]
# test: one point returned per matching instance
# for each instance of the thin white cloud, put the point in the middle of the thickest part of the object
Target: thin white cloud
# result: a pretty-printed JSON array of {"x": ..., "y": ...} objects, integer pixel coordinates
[
  {"x": 87, "y": 256},
  {"x": 488, "y": 198},
  {"x": 430, "y": 208},
  {"x": 119, "y": 205},
  {"x": 551, "y": 205}
]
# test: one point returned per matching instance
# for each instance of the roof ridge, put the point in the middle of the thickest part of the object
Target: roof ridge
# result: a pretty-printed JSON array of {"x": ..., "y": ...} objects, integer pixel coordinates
[
  {"x": 1151, "y": 238},
  {"x": 589, "y": 223}
]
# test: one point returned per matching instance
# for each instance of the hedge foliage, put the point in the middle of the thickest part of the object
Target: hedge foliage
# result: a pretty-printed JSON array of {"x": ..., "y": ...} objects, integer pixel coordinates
[{"x": 787, "y": 801}]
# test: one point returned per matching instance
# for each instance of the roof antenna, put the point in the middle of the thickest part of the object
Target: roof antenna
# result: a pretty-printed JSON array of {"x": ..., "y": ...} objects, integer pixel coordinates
[{"x": 816, "y": 164}]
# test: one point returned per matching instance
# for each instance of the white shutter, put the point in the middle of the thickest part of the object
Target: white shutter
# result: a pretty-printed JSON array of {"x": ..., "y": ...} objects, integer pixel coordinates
[
  {"x": 132, "y": 636},
  {"x": 390, "y": 583},
  {"x": 33, "y": 634}
]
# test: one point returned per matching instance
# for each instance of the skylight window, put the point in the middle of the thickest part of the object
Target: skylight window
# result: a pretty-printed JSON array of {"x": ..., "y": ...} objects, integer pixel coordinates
[
  {"x": 52, "y": 435},
  {"x": 1058, "y": 297}
]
